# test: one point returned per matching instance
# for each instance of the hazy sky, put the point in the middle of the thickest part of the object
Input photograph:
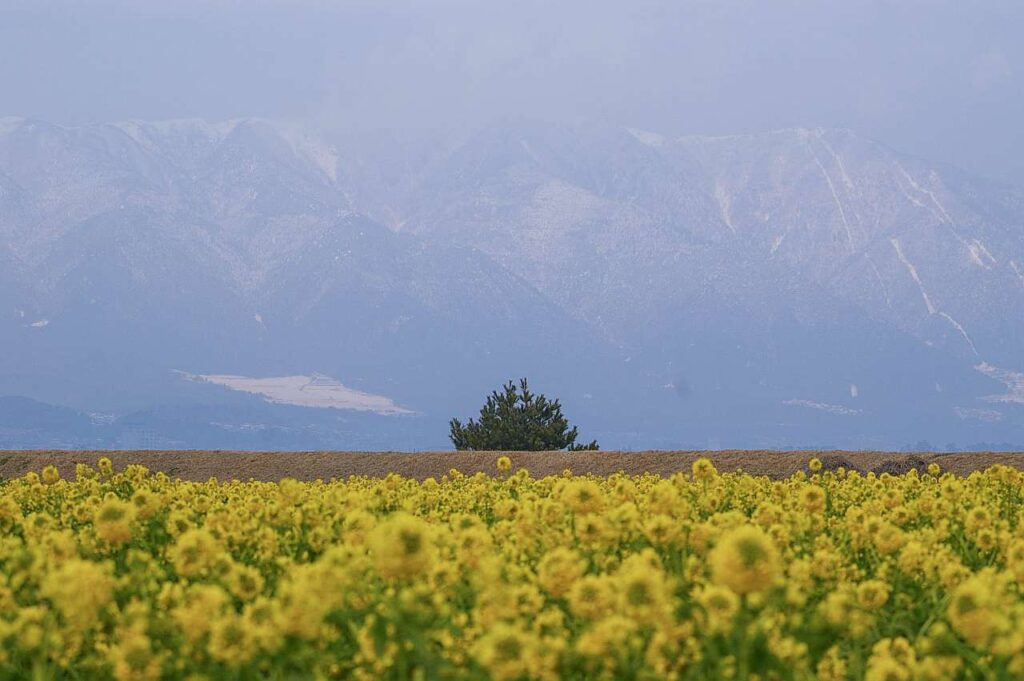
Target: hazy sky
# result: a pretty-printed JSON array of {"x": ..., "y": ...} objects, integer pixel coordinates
[{"x": 940, "y": 79}]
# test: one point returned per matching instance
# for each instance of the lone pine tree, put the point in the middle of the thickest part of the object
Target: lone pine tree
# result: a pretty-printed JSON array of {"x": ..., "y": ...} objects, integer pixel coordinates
[{"x": 516, "y": 419}]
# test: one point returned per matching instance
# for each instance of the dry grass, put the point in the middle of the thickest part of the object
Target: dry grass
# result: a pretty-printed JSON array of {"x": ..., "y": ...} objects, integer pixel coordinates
[{"x": 226, "y": 465}]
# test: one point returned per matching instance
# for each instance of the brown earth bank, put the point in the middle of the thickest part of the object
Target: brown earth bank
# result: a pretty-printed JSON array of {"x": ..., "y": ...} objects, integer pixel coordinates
[{"x": 273, "y": 466}]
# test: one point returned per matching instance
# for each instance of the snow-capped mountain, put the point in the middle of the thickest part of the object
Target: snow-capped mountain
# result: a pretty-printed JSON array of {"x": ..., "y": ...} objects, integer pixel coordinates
[{"x": 799, "y": 287}]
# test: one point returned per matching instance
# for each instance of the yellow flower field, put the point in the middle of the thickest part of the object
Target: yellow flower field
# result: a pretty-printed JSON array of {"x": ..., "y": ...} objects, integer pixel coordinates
[{"x": 834, "y": 575}]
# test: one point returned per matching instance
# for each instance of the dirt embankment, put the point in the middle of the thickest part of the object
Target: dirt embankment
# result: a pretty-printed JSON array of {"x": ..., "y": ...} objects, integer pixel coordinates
[{"x": 228, "y": 465}]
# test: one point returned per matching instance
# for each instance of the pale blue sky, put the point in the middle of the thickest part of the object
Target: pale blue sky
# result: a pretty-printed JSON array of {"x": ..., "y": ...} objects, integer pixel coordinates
[{"x": 943, "y": 79}]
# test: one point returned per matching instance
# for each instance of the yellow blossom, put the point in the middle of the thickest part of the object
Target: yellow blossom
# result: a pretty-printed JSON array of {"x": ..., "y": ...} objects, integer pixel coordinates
[
  {"x": 745, "y": 560},
  {"x": 113, "y": 521},
  {"x": 50, "y": 475},
  {"x": 402, "y": 546}
]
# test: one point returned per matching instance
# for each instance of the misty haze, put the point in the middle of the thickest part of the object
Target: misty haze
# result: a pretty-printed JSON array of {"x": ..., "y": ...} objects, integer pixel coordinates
[{"x": 336, "y": 225}]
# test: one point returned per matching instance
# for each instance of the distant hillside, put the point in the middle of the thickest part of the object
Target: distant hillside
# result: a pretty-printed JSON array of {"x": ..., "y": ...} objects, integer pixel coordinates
[{"x": 794, "y": 288}]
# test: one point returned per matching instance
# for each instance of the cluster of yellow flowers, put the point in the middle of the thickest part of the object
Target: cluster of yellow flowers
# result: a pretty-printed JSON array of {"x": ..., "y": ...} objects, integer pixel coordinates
[{"x": 831, "y": 575}]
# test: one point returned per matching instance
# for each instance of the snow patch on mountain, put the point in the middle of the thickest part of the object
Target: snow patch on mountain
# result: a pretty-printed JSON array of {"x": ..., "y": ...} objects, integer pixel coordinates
[
  {"x": 913, "y": 274},
  {"x": 837, "y": 409},
  {"x": 956, "y": 325},
  {"x": 839, "y": 204},
  {"x": 1013, "y": 380},
  {"x": 980, "y": 255},
  {"x": 1017, "y": 270},
  {"x": 942, "y": 213},
  {"x": 305, "y": 391},
  {"x": 651, "y": 139},
  {"x": 725, "y": 209},
  {"x": 837, "y": 158},
  {"x": 313, "y": 150},
  {"x": 983, "y": 415},
  {"x": 151, "y": 135},
  {"x": 932, "y": 310},
  {"x": 776, "y": 242}
]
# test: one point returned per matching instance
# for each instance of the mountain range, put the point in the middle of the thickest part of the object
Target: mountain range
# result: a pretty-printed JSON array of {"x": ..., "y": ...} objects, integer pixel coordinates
[{"x": 250, "y": 284}]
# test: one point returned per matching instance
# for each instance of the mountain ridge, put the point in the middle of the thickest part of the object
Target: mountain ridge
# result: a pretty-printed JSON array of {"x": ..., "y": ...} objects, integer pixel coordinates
[{"x": 609, "y": 263}]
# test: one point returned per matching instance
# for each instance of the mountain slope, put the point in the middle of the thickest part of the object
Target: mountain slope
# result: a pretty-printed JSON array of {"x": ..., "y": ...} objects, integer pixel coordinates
[
  {"x": 801, "y": 287},
  {"x": 785, "y": 246},
  {"x": 228, "y": 249}
]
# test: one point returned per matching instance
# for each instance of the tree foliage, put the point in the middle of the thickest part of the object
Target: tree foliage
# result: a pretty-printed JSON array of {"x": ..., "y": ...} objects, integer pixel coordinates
[{"x": 516, "y": 419}]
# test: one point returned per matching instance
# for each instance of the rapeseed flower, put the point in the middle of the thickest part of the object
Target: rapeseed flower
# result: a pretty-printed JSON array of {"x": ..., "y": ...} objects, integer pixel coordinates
[
  {"x": 745, "y": 560},
  {"x": 113, "y": 521},
  {"x": 402, "y": 546},
  {"x": 705, "y": 574}
]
